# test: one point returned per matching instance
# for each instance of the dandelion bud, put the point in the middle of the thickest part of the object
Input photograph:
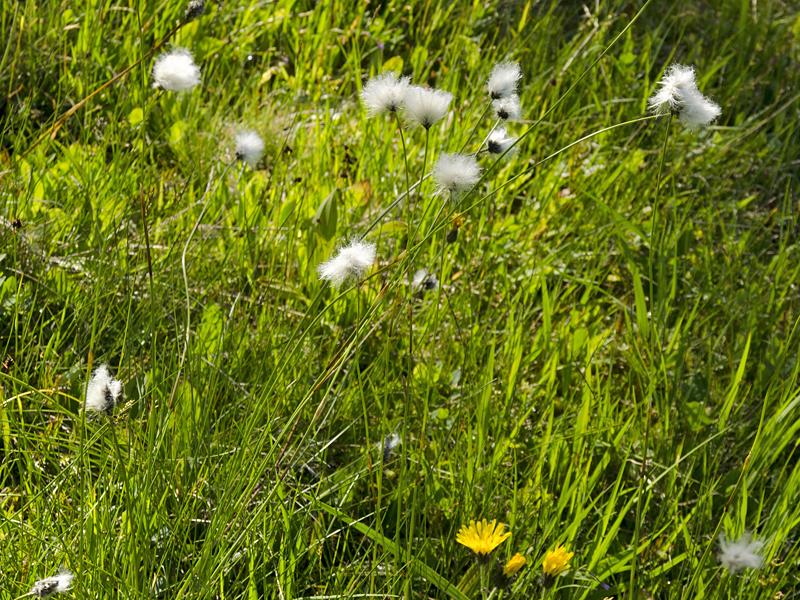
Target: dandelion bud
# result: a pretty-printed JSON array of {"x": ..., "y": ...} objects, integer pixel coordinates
[
  {"x": 456, "y": 172},
  {"x": 175, "y": 71},
  {"x": 499, "y": 141},
  {"x": 678, "y": 94},
  {"x": 351, "y": 261},
  {"x": 249, "y": 147},
  {"x": 514, "y": 564},
  {"x": 508, "y": 108},
  {"x": 103, "y": 392},
  {"x": 384, "y": 93},
  {"x": 503, "y": 80},
  {"x": 425, "y": 106},
  {"x": 194, "y": 9},
  {"x": 52, "y": 585}
]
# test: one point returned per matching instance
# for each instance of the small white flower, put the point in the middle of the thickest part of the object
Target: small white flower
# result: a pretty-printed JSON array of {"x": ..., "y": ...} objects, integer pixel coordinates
[
  {"x": 678, "y": 93},
  {"x": 741, "y": 554},
  {"x": 60, "y": 582},
  {"x": 350, "y": 261},
  {"x": 508, "y": 108},
  {"x": 456, "y": 172},
  {"x": 175, "y": 71},
  {"x": 424, "y": 281},
  {"x": 384, "y": 93},
  {"x": 249, "y": 147},
  {"x": 503, "y": 80},
  {"x": 499, "y": 141},
  {"x": 426, "y": 106},
  {"x": 103, "y": 391}
]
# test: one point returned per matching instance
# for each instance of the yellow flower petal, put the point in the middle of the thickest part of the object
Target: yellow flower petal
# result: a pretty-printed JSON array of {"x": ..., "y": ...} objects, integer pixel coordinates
[
  {"x": 514, "y": 564},
  {"x": 556, "y": 561},
  {"x": 483, "y": 536}
]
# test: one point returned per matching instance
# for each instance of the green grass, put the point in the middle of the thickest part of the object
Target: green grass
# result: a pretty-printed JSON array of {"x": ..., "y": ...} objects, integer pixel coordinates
[{"x": 585, "y": 382}]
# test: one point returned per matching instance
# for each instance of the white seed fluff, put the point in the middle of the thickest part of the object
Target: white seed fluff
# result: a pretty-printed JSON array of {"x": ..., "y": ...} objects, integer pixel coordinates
[
  {"x": 426, "y": 106},
  {"x": 352, "y": 260},
  {"x": 103, "y": 392},
  {"x": 249, "y": 147},
  {"x": 744, "y": 553},
  {"x": 678, "y": 93},
  {"x": 57, "y": 584},
  {"x": 384, "y": 93},
  {"x": 499, "y": 141},
  {"x": 423, "y": 280},
  {"x": 508, "y": 108},
  {"x": 175, "y": 71},
  {"x": 456, "y": 172},
  {"x": 503, "y": 80}
]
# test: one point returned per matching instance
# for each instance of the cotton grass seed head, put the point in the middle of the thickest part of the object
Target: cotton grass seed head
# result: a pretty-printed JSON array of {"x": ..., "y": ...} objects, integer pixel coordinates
[
  {"x": 503, "y": 80},
  {"x": 426, "y": 106},
  {"x": 424, "y": 281},
  {"x": 352, "y": 260},
  {"x": 499, "y": 141},
  {"x": 678, "y": 94},
  {"x": 249, "y": 147},
  {"x": 61, "y": 582},
  {"x": 194, "y": 8},
  {"x": 175, "y": 71},
  {"x": 456, "y": 172},
  {"x": 507, "y": 108},
  {"x": 384, "y": 93},
  {"x": 744, "y": 553},
  {"x": 103, "y": 392}
]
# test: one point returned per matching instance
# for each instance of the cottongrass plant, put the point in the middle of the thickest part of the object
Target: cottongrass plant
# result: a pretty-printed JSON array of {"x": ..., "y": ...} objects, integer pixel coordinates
[
  {"x": 456, "y": 173},
  {"x": 176, "y": 71},
  {"x": 498, "y": 141},
  {"x": 744, "y": 553},
  {"x": 351, "y": 261},
  {"x": 49, "y": 586},
  {"x": 103, "y": 391},
  {"x": 425, "y": 106},
  {"x": 249, "y": 147},
  {"x": 678, "y": 94},
  {"x": 503, "y": 80},
  {"x": 507, "y": 108},
  {"x": 385, "y": 93}
]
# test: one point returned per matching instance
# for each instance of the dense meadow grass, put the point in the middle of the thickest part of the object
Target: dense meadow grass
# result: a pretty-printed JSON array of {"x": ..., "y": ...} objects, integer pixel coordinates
[{"x": 610, "y": 361}]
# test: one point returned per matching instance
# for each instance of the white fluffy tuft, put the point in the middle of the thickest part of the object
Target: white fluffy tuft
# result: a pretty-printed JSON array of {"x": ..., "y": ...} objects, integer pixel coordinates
[
  {"x": 352, "y": 260},
  {"x": 249, "y": 147},
  {"x": 175, "y": 71},
  {"x": 384, "y": 93},
  {"x": 744, "y": 553},
  {"x": 503, "y": 80},
  {"x": 499, "y": 141},
  {"x": 678, "y": 93},
  {"x": 508, "y": 108},
  {"x": 57, "y": 584},
  {"x": 426, "y": 106},
  {"x": 456, "y": 172},
  {"x": 103, "y": 392}
]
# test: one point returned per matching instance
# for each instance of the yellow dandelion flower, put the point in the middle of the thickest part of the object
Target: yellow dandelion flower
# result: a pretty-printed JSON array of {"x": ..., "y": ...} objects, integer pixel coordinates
[
  {"x": 482, "y": 537},
  {"x": 514, "y": 564},
  {"x": 556, "y": 561}
]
